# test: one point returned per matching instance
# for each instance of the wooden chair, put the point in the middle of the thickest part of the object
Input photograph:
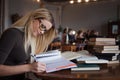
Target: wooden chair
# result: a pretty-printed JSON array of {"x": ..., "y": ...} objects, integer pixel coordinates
[
  {"x": 80, "y": 43},
  {"x": 68, "y": 48},
  {"x": 55, "y": 45}
]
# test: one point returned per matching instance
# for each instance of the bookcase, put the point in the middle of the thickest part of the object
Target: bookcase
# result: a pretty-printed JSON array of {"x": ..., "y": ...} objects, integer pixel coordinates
[
  {"x": 2, "y": 16},
  {"x": 113, "y": 29}
]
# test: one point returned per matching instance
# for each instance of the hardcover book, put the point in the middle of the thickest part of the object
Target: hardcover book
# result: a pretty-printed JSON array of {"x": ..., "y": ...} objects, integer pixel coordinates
[
  {"x": 98, "y": 47},
  {"x": 108, "y": 51},
  {"x": 102, "y": 43},
  {"x": 102, "y": 39},
  {"x": 99, "y": 61},
  {"x": 86, "y": 67}
]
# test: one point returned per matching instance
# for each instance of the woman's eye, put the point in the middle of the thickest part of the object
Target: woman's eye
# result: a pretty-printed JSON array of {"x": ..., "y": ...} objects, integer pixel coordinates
[{"x": 42, "y": 26}]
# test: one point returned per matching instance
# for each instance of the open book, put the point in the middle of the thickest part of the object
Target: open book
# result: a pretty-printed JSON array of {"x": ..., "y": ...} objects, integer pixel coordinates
[
  {"x": 69, "y": 55},
  {"x": 83, "y": 56},
  {"x": 54, "y": 61}
]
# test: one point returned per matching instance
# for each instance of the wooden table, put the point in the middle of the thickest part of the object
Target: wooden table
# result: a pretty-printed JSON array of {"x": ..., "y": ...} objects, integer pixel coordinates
[{"x": 111, "y": 72}]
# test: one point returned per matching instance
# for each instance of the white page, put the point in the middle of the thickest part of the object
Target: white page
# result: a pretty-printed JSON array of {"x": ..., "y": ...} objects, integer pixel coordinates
[
  {"x": 59, "y": 64},
  {"x": 99, "y": 61},
  {"x": 49, "y": 53},
  {"x": 55, "y": 63},
  {"x": 48, "y": 59},
  {"x": 69, "y": 55},
  {"x": 84, "y": 58}
]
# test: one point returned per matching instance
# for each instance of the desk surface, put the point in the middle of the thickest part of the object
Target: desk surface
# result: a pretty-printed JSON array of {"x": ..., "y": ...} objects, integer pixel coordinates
[{"x": 107, "y": 72}]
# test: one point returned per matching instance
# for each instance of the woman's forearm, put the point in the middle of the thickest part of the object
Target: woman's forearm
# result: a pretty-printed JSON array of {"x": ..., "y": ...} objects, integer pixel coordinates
[
  {"x": 12, "y": 70},
  {"x": 35, "y": 67}
]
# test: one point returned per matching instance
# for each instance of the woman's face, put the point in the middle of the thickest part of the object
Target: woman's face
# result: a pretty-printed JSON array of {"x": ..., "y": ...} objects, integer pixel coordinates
[{"x": 40, "y": 26}]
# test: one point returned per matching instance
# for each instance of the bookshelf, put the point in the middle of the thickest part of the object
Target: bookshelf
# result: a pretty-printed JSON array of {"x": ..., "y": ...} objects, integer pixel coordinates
[{"x": 113, "y": 29}]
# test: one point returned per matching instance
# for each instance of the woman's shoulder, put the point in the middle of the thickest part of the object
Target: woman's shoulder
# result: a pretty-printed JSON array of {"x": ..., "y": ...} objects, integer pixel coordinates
[{"x": 11, "y": 31}]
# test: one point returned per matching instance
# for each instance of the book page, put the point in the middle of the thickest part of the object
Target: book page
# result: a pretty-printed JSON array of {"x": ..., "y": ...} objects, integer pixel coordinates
[
  {"x": 48, "y": 59},
  {"x": 49, "y": 53},
  {"x": 55, "y": 63},
  {"x": 84, "y": 58},
  {"x": 69, "y": 55},
  {"x": 59, "y": 64}
]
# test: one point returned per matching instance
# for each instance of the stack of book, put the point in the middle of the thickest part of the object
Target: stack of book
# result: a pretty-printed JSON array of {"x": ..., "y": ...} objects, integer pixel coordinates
[
  {"x": 55, "y": 60},
  {"x": 102, "y": 41},
  {"x": 104, "y": 48},
  {"x": 85, "y": 61}
]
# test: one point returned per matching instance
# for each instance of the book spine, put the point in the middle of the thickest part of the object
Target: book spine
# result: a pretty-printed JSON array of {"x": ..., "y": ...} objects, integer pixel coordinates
[
  {"x": 102, "y": 39},
  {"x": 102, "y": 43}
]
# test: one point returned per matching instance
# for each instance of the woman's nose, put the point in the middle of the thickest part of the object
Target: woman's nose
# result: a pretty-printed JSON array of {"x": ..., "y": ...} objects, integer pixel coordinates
[{"x": 41, "y": 32}]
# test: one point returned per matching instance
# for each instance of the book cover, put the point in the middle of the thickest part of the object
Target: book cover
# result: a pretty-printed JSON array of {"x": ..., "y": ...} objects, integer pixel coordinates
[
  {"x": 102, "y": 43},
  {"x": 86, "y": 67},
  {"x": 107, "y": 51},
  {"x": 102, "y": 39},
  {"x": 107, "y": 46},
  {"x": 103, "y": 47},
  {"x": 110, "y": 51},
  {"x": 99, "y": 61},
  {"x": 91, "y": 59},
  {"x": 107, "y": 56}
]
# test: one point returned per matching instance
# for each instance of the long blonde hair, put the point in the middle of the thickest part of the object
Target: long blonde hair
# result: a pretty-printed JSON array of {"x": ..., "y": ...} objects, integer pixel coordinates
[{"x": 40, "y": 43}]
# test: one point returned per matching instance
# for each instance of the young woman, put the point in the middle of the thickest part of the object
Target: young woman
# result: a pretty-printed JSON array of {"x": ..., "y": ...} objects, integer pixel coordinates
[{"x": 30, "y": 34}]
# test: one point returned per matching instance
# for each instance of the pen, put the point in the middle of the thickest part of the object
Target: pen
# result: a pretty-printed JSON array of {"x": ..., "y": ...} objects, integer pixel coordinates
[{"x": 33, "y": 57}]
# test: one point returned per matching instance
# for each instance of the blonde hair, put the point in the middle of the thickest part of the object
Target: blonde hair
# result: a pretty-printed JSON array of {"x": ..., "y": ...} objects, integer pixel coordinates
[{"x": 40, "y": 43}]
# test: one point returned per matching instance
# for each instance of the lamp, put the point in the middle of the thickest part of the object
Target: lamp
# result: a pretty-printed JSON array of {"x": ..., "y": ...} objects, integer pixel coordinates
[
  {"x": 38, "y": 0},
  {"x": 87, "y": 0},
  {"x": 72, "y": 1},
  {"x": 79, "y": 1},
  {"x": 41, "y": 2}
]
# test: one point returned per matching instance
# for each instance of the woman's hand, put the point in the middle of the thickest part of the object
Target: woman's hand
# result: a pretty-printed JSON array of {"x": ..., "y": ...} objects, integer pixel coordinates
[{"x": 37, "y": 67}]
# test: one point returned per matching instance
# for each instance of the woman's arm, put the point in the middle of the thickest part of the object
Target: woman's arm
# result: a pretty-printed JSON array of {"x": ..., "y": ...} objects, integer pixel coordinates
[{"x": 35, "y": 67}]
